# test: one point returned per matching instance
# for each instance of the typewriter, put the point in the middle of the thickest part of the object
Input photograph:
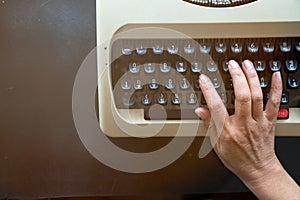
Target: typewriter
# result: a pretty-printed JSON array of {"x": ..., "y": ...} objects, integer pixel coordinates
[{"x": 151, "y": 54}]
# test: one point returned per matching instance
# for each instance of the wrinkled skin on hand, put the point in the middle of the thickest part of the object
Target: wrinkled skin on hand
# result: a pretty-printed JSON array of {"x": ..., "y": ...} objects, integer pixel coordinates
[{"x": 244, "y": 141}]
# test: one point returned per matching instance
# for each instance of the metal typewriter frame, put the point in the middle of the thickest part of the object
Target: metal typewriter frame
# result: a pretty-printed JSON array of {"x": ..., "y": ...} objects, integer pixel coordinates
[{"x": 286, "y": 24}]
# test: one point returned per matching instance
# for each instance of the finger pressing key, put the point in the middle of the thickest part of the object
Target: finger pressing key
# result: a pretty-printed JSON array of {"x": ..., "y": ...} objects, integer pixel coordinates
[
  {"x": 215, "y": 105},
  {"x": 241, "y": 90},
  {"x": 273, "y": 104},
  {"x": 256, "y": 92}
]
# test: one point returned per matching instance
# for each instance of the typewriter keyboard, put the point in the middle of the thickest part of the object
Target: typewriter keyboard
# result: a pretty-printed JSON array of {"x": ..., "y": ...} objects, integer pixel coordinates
[{"x": 165, "y": 72}]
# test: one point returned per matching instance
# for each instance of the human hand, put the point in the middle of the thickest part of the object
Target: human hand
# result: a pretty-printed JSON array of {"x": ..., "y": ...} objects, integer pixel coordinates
[{"x": 244, "y": 141}]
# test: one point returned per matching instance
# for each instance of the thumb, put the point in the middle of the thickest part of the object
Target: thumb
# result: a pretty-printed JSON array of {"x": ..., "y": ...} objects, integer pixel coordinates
[{"x": 204, "y": 114}]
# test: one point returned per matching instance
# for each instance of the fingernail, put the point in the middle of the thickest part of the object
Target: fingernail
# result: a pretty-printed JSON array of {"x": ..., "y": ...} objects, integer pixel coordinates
[
  {"x": 233, "y": 64},
  {"x": 203, "y": 78},
  {"x": 197, "y": 111},
  {"x": 248, "y": 65},
  {"x": 277, "y": 75}
]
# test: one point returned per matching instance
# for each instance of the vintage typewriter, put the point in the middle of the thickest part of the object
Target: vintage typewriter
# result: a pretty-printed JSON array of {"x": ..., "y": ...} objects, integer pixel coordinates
[{"x": 151, "y": 54}]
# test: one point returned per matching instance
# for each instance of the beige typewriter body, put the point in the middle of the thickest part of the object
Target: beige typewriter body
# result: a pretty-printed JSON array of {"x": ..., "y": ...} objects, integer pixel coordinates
[{"x": 262, "y": 18}]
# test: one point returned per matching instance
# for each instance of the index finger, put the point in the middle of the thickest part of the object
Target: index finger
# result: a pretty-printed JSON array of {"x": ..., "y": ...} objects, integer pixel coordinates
[{"x": 215, "y": 105}]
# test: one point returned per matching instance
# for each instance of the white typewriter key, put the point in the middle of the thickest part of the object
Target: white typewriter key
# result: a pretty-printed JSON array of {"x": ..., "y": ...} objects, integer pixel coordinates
[
  {"x": 291, "y": 65},
  {"x": 263, "y": 82},
  {"x": 189, "y": 49},
  {"x": 236, "y": 47},
  {"x": 126, "y": 84},
  {"x": 181, "y": 67},
  {"x": 192, "y": 99},
  {"x": 176, "y": 98},
  {"x": 141, "y": 50},
  {"x": 196, "y": 67},
  {"x": 128, "y": 100},
  {"x": 165, "y": 67},
  {"x": 285, "y": 46},
  {"x": 212, "y": 66},
  {"x": 260, "y": 65},
  {"x": 146, "y": 99},
  {"x": 297, "y": 45},
  {"x": 293, "y": 81},
  {"x": 138, "y": 85},
  {"x": 149, "y": 68},
  {"x": 134, "y": 68},
  {"x": 196, "y": 84},
  {"x": 154, "y": 84},
  {"x": 173, "y": 49},
  {"x": 223, "y": 98},
  {"x": 205, "y": 48},
  {"x": 184, "y": 84},
  {"x": 126, "y": 51},
  {"x": 225, "y": 66},
  {"x": 220, "y": 47},
  {"x": 285, "y": 98},
  {"x": 162, "y": 98},
  {"x": 268, "y": 47},
  {"x": 216, "y": 82},
  {"x": 253, "y": 47},
  {"x": 170, "y": 84},
  {"x": 275, "y": 65},
  {"x": 158, "y": 49}
]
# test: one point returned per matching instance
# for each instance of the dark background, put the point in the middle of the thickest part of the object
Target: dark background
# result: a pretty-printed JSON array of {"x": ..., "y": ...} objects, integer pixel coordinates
[{"x": 42, "y": 44}]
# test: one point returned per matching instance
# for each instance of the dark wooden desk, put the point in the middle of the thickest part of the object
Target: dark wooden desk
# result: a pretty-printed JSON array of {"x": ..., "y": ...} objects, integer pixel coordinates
[{"x": 42, "y": 44}]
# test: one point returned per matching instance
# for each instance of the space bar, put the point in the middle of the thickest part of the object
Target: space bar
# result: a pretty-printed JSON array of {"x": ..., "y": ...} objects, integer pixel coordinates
[
  {"x": 170, "y": 114},
  {"x": 184, "y": 114}
]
